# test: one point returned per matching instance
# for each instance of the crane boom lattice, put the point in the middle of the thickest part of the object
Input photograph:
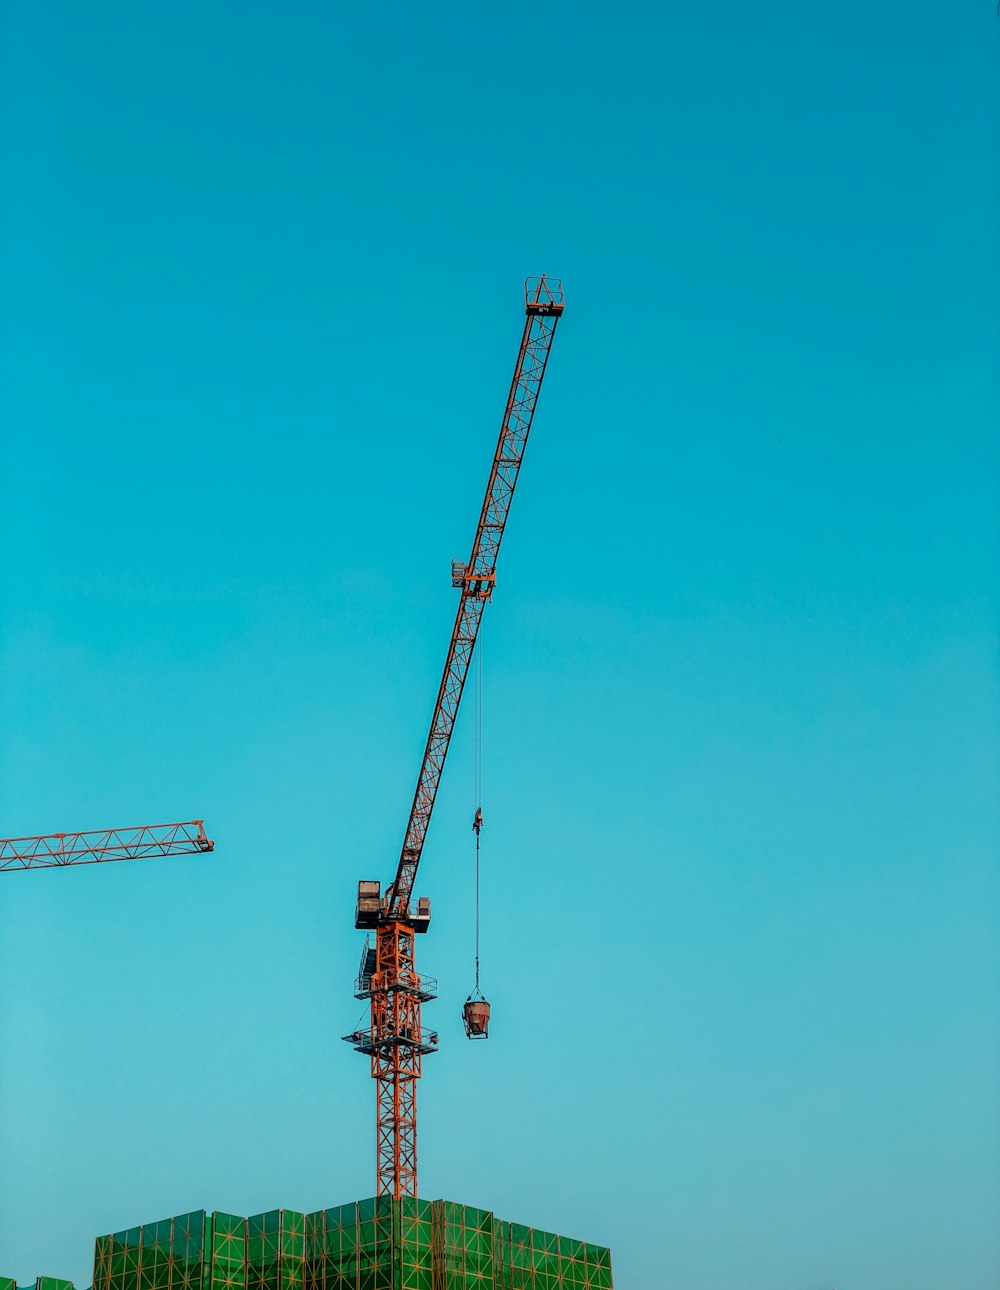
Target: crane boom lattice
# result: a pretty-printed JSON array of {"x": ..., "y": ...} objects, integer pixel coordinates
[
  {"x": 543, "y": 307},
  {"x": 51, "y": 850}
]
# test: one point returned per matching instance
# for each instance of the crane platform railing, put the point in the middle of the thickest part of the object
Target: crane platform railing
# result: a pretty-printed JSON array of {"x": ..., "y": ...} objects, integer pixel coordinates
[
  {"x": 423, "y": 988},
  {"x": 362, "y": 1042},
  {"x": 543, "y": 295}
]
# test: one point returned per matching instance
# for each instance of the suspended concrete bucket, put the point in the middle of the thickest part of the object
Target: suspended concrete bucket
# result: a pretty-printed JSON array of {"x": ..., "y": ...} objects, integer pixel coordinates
[{"x": 476, "y": 1015}]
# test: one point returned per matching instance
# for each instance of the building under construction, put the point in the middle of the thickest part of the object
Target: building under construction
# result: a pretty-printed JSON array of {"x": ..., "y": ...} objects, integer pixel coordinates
[{"x": 377, "y": 1244}]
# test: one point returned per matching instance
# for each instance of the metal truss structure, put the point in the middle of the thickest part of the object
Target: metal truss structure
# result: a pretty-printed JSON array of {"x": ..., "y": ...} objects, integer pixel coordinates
[
  {"x": 396, "y": 1042},
  {"x": 51, "y": 850}
]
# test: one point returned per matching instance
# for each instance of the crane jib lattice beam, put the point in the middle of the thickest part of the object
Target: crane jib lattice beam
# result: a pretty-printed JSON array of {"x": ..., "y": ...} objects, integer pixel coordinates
[
  {"x": 543, "y": 309},
  {"x": 101, "y": 845}
]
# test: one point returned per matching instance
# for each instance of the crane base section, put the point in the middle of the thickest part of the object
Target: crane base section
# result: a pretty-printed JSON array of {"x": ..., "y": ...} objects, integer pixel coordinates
[{"x": 378, "y": 1244}]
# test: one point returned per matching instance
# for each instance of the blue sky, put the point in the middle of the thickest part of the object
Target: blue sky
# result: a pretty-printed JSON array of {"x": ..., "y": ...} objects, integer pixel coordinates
[{"x": 261, "y": 274}]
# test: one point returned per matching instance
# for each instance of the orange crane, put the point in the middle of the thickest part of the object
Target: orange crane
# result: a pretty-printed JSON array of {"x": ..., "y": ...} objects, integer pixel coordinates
[
  {"x": 51, "y": 850},
  {"x": 395, "y": 1041}
]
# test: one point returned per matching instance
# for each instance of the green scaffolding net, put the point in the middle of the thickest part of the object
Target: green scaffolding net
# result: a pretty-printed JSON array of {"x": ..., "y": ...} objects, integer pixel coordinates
[
  {"x": 40, "y": 1283},
  {"x": 377, "y": 1244}
]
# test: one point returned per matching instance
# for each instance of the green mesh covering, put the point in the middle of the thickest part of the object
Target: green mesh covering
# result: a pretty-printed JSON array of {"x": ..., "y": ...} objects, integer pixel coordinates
[
  {"x": 276, "y": 1251},
  {"x": 352, "y": 1247},
  {"x": 169, "y": 1253},
  {"x": 226, "y": 1267},
  {"x": 376, "y": 1244},
  {"x": 41, "y": 1283}
]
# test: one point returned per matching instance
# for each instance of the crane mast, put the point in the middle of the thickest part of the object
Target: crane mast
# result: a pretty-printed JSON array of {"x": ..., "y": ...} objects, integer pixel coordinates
[{"x": 395, "y": 1041}]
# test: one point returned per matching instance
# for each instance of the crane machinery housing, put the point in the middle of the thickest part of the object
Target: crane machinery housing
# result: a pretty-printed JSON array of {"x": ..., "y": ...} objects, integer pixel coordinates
[{"x": 395, "y": 1041}]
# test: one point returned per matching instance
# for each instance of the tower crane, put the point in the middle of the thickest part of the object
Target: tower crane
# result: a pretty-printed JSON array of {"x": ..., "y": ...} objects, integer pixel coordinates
[{"x": 395, "y": 1040}]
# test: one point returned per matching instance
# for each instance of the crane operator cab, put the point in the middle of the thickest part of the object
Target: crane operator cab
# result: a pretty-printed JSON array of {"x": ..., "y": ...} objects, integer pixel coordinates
[{"x": 476, "y": 1015}]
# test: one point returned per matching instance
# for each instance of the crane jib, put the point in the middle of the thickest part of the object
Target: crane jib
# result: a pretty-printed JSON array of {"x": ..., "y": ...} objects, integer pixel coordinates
[
  {"x": 536, "y": 343},
  {"x": 96, "y": 846}
]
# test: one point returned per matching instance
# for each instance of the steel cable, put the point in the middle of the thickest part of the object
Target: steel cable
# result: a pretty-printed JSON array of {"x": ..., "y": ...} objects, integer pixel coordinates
[{"x": 478, "y": 761}]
